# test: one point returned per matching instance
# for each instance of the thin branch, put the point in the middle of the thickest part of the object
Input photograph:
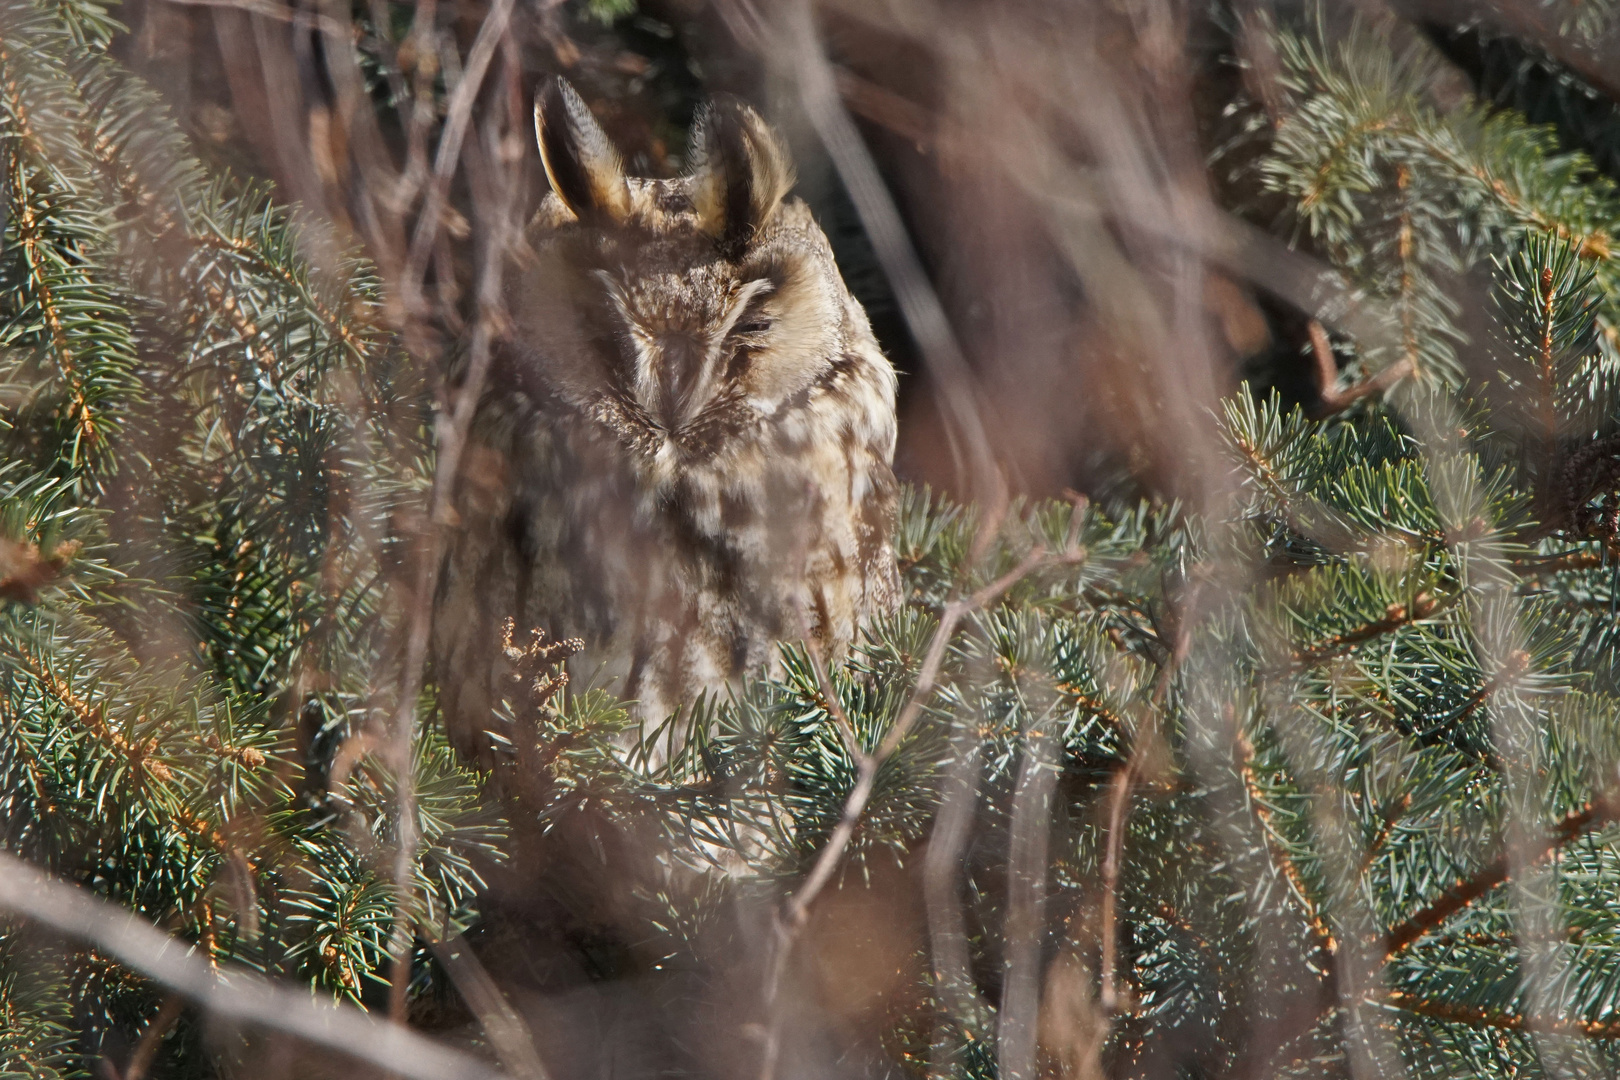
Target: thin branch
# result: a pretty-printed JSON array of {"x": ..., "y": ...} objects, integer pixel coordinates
[
  {"x": 234, "y": 993},
  {"x": 280, "y": 13},
  {"x": 1328, "y": 944},
  {"x": 1026, "y": 893},
  {"x": 1474, "y": 1016},
  {"x": 140, "y": 1059},
  {"x": 834, "y": 707},
  {"x": 1557, "y": 564},
  {"x": 451, "y": 430},
  {"x": 1119, "y": 799},
  {"x": 1327, "y": 375},
  {"x": 1396, "y": 617},
  {"x": 947, "y": 929},
  {"x": 458, "y": 113},
  {"x": 1119, "y": 808},
  {"x": 1594, "y": 815}
]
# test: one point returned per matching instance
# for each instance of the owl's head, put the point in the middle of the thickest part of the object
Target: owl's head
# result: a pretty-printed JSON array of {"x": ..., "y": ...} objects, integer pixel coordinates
[{"x": 677, "y": 312}]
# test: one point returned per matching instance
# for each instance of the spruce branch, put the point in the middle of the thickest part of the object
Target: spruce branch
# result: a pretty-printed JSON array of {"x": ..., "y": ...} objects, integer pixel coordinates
[
  {"x": 1474, "y": 1016},
  {"x": 1396, "y": 617},
  {"x": 1595, "y": 814}
]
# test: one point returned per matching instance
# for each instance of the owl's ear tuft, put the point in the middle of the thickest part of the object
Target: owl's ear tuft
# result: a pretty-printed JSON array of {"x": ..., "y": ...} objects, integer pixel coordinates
[
  {"x": 581, "y": 162},
  {"x": 740, "y": 174}
]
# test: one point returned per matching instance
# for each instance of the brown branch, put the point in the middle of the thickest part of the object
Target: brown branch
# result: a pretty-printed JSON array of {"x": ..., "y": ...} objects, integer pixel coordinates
[
  {"x": 93, "y": 718},
  {"x": 1474, "y": 1016},
  {"x": 1029, "y": 838},
  {"x": 31, "y": 237},
  {"x": 1396, "y": 616},
  {"x": 1279, "y": 855},
  {"x": 904, "y": 117},
  {"x": 1555, "y": 564},
  {"x": 1327, "y": 375},
  {"x": 942, "y": 867},
  {"x": 140, "y": 1059},
  {"x": 1594, "y": 815},
  {"x": 139, "y": 755}
]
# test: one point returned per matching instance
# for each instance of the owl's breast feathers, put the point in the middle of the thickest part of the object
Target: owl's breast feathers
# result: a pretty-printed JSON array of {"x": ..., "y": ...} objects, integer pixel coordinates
[
  {"x": 680, "y": 559},
  {"x": 757, "y": 522}
]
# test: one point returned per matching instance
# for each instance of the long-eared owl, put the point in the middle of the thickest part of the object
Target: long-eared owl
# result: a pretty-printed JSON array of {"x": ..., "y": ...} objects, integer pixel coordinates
[{"x": 684, "y": 456}]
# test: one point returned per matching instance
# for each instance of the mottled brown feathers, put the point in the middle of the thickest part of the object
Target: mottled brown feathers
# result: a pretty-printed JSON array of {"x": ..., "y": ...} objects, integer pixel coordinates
[{"x": 687, "y": 459}]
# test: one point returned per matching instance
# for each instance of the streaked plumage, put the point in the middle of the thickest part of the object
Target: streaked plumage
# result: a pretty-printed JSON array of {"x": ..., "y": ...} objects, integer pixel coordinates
[{"x": 685, "y": 455}]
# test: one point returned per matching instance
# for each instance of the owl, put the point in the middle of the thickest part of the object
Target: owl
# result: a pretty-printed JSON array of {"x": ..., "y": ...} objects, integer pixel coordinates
[{"x": 684, "y": 454}]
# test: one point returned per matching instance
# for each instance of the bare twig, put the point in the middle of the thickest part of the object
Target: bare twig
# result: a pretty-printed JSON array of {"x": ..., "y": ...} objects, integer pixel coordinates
[
  {"x": 453, "y": 421},
  {"x": 1327, "y": 375},
  {"x": 234, "y": 993},
  {"x": 508, "y": 1036},
  {"x": 140, "y": 1059}
]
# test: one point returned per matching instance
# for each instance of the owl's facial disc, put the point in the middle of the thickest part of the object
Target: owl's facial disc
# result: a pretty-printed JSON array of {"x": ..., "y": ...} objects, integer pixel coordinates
[{"x": 682, "y": 350}]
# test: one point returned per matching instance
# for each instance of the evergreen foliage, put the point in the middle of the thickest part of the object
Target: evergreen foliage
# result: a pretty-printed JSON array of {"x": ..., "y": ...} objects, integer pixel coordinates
[
  {"x": 200, "y": 479},
  {"x": 1318, "y": 779}
]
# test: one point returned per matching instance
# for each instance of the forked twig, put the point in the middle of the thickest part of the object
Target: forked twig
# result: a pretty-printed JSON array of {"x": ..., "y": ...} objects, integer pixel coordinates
[
  {"x": 1327, "y": 375},
  {"x": 458, "y": 113}
]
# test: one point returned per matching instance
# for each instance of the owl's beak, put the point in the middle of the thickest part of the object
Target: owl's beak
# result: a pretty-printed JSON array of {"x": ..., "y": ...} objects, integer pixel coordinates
[{"x": 682, "y": 386}]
